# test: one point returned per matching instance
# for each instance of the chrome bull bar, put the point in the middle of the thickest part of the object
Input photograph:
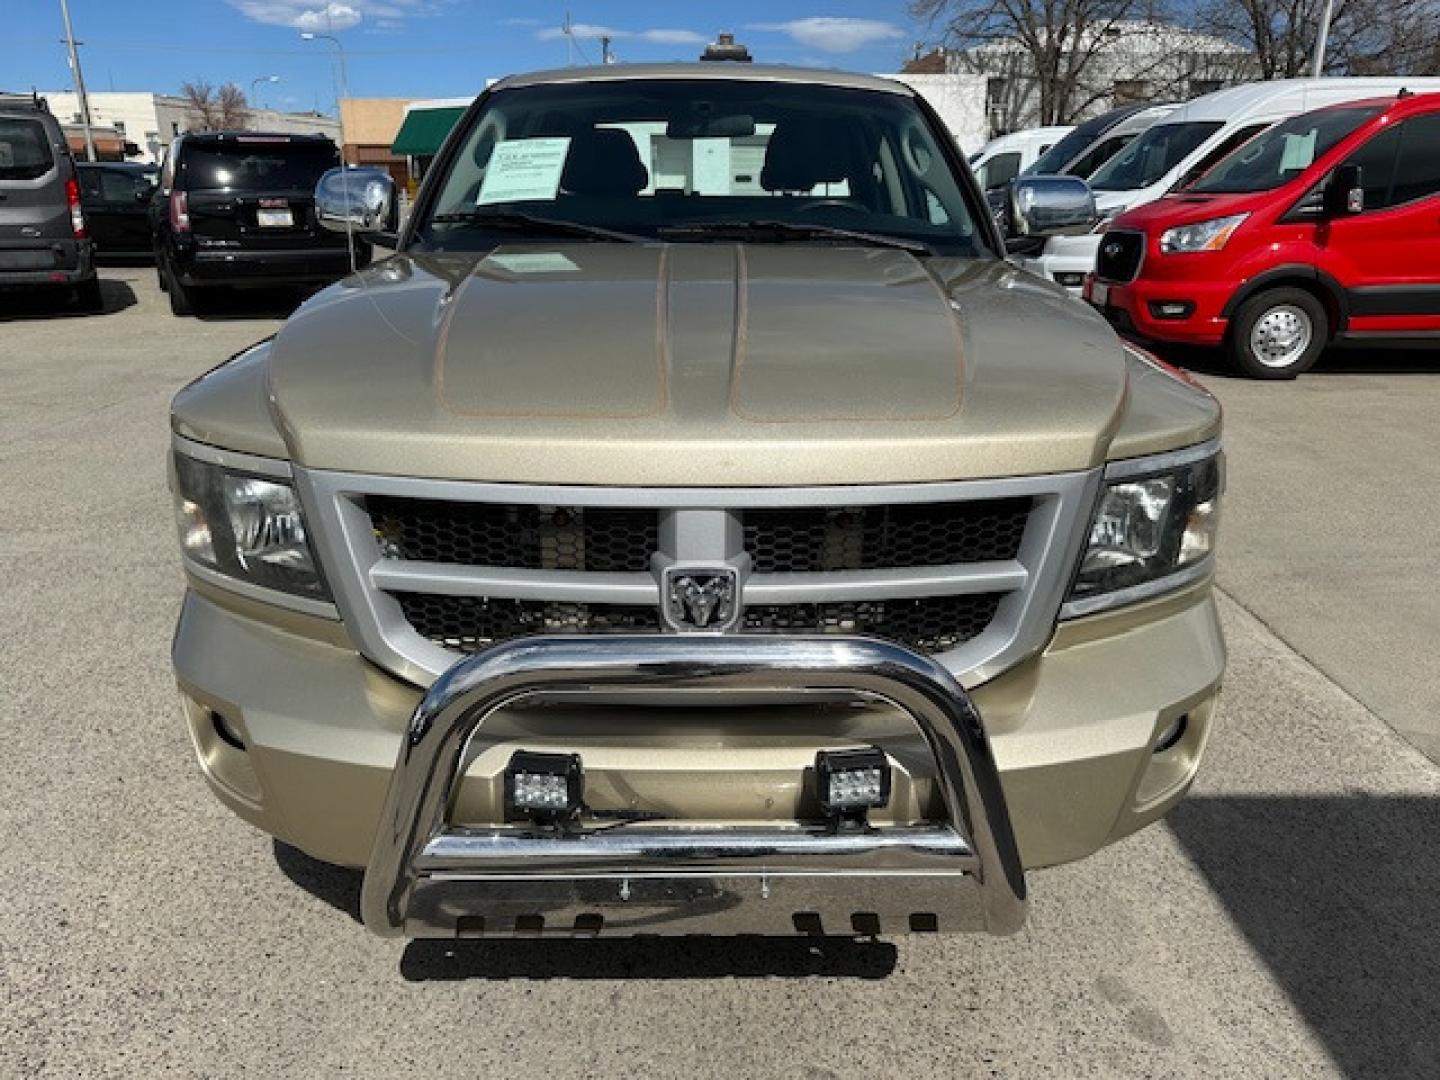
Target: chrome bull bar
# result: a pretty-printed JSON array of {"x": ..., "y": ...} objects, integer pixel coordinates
[{"x": 428, "y": 879}]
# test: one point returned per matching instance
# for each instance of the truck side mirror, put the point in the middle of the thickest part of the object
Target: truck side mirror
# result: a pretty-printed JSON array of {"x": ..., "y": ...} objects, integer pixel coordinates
[
  {"x": 1043, "y": 206},
  {"x": 360, "y": 200},
  {"x": 1344, "y": 192}
]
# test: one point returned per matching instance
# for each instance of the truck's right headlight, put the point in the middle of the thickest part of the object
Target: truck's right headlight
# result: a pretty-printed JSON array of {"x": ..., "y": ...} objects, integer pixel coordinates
[
  {"x": 247, "y": 527},
  {"x": 1153, "y": 530}
]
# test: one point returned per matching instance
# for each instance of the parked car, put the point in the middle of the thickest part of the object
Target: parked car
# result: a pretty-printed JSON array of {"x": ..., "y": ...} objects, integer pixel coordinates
[
  {"x": 116, "y": 197},
  {"x": 1187, "y": 143},
  {"x": 237, "y": 209},
  {"x": 880, "y": 573},
  {"x": 1002, "y": 159},
  {"x": 1327, "y": 225},
  {"x": 44, "y": 241}
]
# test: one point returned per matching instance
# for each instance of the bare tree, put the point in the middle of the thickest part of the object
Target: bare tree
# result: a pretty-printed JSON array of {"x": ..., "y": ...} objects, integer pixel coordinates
[
  {"x": 211, "y": 109},
  {"x": 1055, "y": 45},
  {"x": 1367, "y": 37}
]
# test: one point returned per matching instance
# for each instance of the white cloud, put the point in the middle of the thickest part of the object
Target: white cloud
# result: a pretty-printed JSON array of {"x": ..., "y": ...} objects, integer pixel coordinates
[
  {"x": 835, "y": 34},
  {"x": 324, "y": 16},
  {"x": 591, "y": 32}
]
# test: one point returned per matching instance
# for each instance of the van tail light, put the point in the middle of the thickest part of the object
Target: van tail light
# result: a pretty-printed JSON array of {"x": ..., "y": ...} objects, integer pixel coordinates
[
  {"x": 179, "y": 212},
  {"x": 77, "y": 215}
]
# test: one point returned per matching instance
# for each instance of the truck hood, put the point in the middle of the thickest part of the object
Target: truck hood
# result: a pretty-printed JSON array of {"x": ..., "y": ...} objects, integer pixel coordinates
[
  {"x": 697, "y": 365},
  {"x": 1188, "y": 208}
]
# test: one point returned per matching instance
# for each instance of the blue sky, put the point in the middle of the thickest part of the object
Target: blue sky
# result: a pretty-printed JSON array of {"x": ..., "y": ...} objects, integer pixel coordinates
[{"x": 418, "y": 48}]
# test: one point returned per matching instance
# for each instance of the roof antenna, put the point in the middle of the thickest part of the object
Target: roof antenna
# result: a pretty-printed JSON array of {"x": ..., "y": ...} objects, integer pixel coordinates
[{"x": 1405, "y": 92}]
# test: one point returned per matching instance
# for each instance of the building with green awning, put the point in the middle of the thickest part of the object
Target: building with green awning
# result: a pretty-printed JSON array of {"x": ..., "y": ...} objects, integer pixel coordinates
[{"x": 424, "y": 129}]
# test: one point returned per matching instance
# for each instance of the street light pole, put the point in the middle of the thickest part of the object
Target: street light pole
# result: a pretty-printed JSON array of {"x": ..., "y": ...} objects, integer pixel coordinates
[
  {"x": 79, "y": 82},
  {"x": 1323, "y": 40},
  {"x": 340, "y": 113},
  {"x": 262, "y": 79}
]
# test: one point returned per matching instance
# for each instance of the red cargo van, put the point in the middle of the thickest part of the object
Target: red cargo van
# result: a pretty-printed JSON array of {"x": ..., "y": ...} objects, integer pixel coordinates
[{"x": 1324, "y": 227}]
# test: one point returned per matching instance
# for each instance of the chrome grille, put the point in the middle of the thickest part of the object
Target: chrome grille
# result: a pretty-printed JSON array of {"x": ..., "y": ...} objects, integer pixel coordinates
[
  {"x": 425, "y": 571},
  {"x": 817, "y": 539}
]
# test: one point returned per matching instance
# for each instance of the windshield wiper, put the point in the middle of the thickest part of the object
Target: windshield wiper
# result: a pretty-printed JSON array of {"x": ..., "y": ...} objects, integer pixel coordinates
[
  {"x": 515, "y": 221},
  {"x": 778, "y": 231}
]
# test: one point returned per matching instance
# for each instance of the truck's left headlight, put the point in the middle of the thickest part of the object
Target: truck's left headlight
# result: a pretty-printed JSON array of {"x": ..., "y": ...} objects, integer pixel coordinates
[
  {"x": 1153, "y": 530},
  {"x": 246, "y": 527}
]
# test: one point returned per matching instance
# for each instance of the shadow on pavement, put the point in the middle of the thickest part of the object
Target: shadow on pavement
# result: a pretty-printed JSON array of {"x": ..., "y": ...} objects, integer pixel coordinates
[
  {"x": 618, "y": 958},
  {"x": 224, "y": 305},
  {"x": 338, "y": 886},
  {"x": 649, "y": 958},
  {"x": 1340, "y": 897},
  {"x": 57, "y": 302}
]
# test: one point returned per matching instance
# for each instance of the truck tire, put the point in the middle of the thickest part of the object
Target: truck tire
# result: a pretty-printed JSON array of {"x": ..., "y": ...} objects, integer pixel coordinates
[{"x": 1278, "y": 333}]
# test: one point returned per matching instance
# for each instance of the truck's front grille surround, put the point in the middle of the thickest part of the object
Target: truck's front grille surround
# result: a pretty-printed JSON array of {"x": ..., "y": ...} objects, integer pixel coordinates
[{"x": 426, "y": 571}]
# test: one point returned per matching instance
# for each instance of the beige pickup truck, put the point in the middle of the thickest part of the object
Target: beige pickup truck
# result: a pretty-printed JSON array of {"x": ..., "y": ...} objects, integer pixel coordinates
[{"x": 697, "y": 526}]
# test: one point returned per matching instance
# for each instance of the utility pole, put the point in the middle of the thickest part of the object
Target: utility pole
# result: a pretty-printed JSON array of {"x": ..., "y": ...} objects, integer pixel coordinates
[
  {"x": 1321, "y": 42},
  {"x": 79, "y": 82},
  {"x": 605, "y": 55},
  {"x": 569, "y": 42}
]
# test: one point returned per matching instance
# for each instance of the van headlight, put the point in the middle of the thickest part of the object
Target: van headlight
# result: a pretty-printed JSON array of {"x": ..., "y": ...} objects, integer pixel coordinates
[
  {"x": 1202, "y": 236},
  {"x": 1153, "y": 530},
  {"x": 247, "y": 527}
]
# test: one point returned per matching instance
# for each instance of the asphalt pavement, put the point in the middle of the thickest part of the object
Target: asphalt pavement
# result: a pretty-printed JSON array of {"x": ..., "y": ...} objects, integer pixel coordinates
[{"x": 1282, "y": 922}]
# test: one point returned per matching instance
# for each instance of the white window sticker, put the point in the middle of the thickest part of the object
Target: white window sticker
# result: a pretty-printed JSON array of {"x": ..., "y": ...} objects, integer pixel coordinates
[
  {"x": 524, "y": 169},
  {"x": 1298, "y": 153},
  {"x": 533, "y": 262}
]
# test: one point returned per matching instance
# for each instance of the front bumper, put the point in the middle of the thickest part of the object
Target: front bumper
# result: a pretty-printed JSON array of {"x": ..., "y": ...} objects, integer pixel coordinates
[
  {"x": 1073, "y": 731},
  {"x": 1137, "y": 308},
  {"x": 1066, "y": 260},
  {"x": 427, "y": 878}
]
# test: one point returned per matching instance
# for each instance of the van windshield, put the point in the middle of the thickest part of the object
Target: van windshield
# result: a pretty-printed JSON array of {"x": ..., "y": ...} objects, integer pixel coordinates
[
  {"x": 258, "y": 166},
  {"x": 1282, "y": 153},
  {"x": 1058, "y": 156},
  {"x": 24, "y": 150},
  {"x": 1150, "y": 157}
]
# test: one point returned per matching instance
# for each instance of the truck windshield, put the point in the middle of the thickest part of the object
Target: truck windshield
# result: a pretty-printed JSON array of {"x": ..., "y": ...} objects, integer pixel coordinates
[
  {"x": 259, "y": 166},
  {"x": 24, "y": 150},
  {"x": 701, "y": 160},
  {"x": 1283, "y": 152},
  {"x": 1150, "y": 157}
]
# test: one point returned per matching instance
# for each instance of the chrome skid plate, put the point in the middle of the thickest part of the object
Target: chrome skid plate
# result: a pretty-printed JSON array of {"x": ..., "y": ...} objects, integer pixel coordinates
[{"x": 428, "y": 879}]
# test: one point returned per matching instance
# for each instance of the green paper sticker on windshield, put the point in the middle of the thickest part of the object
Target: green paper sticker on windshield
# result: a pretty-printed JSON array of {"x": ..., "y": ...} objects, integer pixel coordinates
[{"x": 524, "y": 169}]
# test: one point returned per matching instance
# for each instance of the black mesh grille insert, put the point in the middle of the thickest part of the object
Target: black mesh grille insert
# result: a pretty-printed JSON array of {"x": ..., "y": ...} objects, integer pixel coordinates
[
  {"x": 1119, "y": 257},
  {"x": 470, "y": 623},
  {"x": 522, "y": 537},
  {"x": 806, "y": 540},
  {"x": 932, "y": 624}
]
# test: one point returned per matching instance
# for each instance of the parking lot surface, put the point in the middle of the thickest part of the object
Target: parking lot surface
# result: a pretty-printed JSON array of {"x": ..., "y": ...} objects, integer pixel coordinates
[{"x": 1282, "y": 922}]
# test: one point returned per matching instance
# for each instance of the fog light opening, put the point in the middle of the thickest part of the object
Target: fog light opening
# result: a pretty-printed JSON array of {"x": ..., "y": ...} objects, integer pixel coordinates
[
  {"x": 850, "y": 783},
  {"x": 547, "y": 789},
  {"x": 225, "y": 732},
  {"x": 1173, "y": 733}
]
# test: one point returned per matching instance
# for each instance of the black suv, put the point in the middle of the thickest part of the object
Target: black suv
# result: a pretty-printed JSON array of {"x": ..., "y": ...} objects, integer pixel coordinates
[
  {"x": 238, "y": 208},
  {"x": 42, "y": 226}
]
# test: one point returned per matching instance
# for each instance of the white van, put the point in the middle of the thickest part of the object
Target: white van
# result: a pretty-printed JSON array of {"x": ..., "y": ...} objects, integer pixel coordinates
[
  {"x": 1001, "y": 160},
  {"x": 1190, "y": 140},
  {"x": 1094, "y": 142}
]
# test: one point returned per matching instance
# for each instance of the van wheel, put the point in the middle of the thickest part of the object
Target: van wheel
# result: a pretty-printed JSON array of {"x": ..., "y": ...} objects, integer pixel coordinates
[
  {"x": 88, "y": 296},
  {"x": 1278, "y": 334}
]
